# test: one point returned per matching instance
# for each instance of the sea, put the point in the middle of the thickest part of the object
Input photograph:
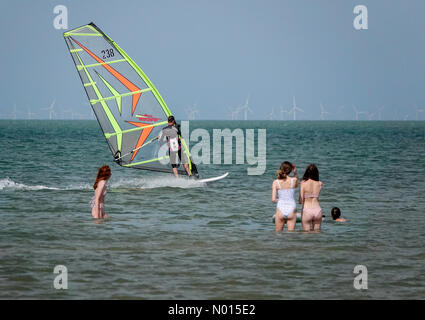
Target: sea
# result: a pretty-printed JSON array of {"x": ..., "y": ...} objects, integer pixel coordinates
[{"x": 180, "y": 239}]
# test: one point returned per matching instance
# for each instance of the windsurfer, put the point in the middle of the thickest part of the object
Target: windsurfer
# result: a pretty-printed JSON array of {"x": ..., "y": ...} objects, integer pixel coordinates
[{"x": 172, "y": 134}]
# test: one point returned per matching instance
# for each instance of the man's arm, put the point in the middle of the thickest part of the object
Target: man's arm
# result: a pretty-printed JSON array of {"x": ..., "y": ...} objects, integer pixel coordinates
[
  {"x": 160, "y": 136},
  {"x": 178, "y": 130}
]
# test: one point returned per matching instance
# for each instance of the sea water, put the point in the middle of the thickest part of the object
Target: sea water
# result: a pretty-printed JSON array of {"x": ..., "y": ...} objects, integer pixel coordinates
[{"x": 179, "y": 239}]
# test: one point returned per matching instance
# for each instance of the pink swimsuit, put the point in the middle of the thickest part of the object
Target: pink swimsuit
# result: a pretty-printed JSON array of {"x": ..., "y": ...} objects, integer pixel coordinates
[{"x": 312, "y": 213}]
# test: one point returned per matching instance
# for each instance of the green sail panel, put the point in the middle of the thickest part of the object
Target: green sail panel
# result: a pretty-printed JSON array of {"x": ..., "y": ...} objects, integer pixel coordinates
[{"x": 119, "y": 93}]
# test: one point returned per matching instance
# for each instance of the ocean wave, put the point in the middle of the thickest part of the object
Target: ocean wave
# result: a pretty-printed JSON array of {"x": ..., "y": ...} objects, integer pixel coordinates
[
  {"x": 8, "y": 183},
  {"x": 134, "y": 183},
  {"x": 162, "y": 182}
]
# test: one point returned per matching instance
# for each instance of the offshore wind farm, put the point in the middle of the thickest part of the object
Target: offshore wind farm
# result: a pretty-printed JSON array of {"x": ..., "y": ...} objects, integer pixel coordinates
[{"x": 302, "y": 97}]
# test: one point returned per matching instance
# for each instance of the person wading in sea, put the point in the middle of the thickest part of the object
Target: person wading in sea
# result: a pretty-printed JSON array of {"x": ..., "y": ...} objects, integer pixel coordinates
[{"x": 97, "y": 202}]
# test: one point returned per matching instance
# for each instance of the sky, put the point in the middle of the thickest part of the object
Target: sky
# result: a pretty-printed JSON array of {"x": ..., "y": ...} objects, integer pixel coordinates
[{"x": 213, "y": 55}]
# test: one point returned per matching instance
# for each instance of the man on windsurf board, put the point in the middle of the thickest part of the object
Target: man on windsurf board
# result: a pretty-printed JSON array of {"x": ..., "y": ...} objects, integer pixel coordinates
[{"x": 172, "y": 133}]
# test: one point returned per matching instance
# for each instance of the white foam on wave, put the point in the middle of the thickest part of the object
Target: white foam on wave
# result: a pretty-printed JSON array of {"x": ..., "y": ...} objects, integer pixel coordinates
[
  {"x": 138, "y": 183},
  {"x": 8, "y": 183},
  {"x": 159, "y": 182},
  {"x": 81, "y": 186}
]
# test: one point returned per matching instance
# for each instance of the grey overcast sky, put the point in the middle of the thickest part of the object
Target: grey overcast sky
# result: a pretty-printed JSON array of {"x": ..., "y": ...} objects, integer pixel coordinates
[{"x": 216, "y": 53}]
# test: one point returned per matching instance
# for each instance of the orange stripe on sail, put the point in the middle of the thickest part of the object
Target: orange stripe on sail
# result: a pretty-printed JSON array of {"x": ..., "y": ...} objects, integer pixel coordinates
[
  {"x": 127, "y": 83},
  {"x": 143, "y": 136}
]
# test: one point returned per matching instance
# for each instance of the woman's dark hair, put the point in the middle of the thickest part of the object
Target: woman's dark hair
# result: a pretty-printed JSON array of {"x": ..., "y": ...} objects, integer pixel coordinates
[
  {"x": 336, "y": 213},
  {"x": 311, "y": 172},
  {"x": 104, "y": 173},
  {"x": 284, "y": 170}
]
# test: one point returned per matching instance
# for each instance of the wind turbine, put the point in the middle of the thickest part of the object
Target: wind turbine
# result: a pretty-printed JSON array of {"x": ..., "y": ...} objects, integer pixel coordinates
[
  {"x": 271, "y": 114},
  {"x": 295, "y": 108},
  {"x": 191, "y": 113},
  {"x": 282, "y": 112},
  {"x": 378, "y": 111},
  {"x": 370, "y": 115},
  {"x": 80, "y": 116},
  {"x": 234, "y": 113},
  {"x": 91, "y": 114},
  {"x": 51, "y": 109},
  {"x": 245, "y": 108},
  {"x": 15, "y": 112},
  {"x": 357, "y": 112},
  {"x": 30, "y": 114},
  {"x": 418, "y": 111},
  {"x": 322, "y": 112},
  {"x": 71, "y": 112}
]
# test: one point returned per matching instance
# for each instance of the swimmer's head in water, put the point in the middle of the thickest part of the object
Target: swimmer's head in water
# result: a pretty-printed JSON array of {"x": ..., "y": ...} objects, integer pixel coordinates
[
  {"x": 104, "y": 173},
  {"x": 336, "y": 213},
  {"x": 311, "y": 172},
  {"x": 284, "y": 170}
]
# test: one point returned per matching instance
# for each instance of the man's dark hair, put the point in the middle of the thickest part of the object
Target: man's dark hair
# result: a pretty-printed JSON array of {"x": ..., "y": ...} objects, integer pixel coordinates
[{"x": 171, "y": 119}]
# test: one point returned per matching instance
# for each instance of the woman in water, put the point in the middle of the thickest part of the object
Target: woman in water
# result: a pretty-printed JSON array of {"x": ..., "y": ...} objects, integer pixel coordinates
[
  {"x": 97, "y": 203},
  {"x": 309, "y": 198},
  {"x": 284, "y": 186}
]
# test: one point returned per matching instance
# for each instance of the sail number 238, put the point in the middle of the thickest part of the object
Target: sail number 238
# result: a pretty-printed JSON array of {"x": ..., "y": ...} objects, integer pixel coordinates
[{"x": 107, "y": 53}]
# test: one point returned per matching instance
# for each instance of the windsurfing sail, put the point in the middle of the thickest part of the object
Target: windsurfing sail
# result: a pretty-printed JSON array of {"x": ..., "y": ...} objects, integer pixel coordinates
[{"x": 128, "y": 107}]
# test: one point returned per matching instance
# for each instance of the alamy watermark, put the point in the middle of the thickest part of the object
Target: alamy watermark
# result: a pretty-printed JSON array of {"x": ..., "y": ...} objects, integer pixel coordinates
[
  {"x": 61, "y": 19},
  {"x": 360, "y": 281},
  {"x": 61, "y": 280},
  {"x": 250, "y": 148},
  {"x": 361, "y": 20}
]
